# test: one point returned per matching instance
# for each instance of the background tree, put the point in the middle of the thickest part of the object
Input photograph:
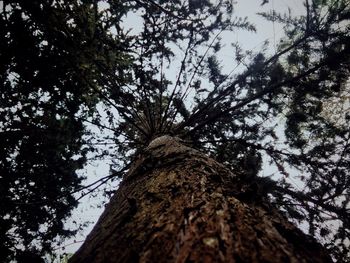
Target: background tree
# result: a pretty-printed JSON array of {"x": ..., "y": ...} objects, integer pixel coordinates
[
  {"x": 50, "y": 52},
  {"x": 233, "y": 117}
]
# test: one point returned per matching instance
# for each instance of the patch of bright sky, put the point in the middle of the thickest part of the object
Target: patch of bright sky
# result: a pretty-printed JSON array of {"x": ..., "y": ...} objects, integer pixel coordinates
[{"x": 88, "y": 209}]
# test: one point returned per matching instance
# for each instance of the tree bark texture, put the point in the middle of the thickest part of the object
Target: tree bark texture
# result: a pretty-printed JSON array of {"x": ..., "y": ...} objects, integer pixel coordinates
[{"x": 178, "y": 205}]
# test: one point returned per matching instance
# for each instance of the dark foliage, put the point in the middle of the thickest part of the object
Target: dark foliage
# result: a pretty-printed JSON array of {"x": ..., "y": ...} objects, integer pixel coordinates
[
  {"x": 66, "y": 65},
  {"x": 48, "y": 52}
]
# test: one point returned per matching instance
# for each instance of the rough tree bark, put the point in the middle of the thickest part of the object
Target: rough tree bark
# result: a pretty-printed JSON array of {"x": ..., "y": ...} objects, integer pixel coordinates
[{"x": 178, "y": 205}]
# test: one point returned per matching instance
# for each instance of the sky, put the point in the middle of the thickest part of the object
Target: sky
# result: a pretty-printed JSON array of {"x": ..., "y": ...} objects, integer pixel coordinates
[{"x": 88, "y": 210}]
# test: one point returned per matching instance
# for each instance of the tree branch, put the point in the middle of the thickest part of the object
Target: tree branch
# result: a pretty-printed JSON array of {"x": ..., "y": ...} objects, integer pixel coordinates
[
  {"x": 219, "y": 113},
  {"x": 231, "y": 87}
]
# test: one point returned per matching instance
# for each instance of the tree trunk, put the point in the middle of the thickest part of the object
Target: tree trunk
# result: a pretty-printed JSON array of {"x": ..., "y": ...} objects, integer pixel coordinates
[{"x": 177, "y": 205}]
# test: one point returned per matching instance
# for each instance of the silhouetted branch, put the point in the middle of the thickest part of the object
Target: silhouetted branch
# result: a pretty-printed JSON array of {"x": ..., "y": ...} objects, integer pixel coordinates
[
  {"x": 220, "y": 113},
  {"x": 231, "y": 87}
]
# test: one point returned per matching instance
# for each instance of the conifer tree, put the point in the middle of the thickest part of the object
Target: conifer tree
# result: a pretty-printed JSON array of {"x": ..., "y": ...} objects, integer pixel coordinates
[{"x": 69, "y": 64}]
